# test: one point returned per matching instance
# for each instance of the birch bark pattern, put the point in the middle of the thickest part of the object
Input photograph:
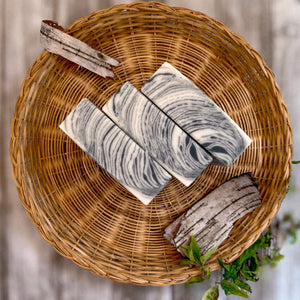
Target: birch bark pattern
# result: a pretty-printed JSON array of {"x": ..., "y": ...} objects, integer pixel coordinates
[
  {"x": 58, "y": 42},
  {"x": 211, "y": 219}
]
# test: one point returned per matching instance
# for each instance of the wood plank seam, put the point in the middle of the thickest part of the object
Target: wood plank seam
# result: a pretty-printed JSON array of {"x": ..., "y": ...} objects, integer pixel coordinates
[{"x": 3, "y": 155}]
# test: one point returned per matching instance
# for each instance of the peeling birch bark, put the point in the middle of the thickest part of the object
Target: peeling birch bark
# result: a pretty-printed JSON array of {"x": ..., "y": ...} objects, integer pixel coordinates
[
  {"x": 58, "y": 42},
  {"x": 211, "y": 219}
]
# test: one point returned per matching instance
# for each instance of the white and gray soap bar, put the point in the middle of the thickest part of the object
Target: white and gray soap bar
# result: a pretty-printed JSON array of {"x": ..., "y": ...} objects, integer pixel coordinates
[
  {"x": 197, "y": 114},
  {"x": 156, "y": 133},
  {"x": 115, "y": 151}
]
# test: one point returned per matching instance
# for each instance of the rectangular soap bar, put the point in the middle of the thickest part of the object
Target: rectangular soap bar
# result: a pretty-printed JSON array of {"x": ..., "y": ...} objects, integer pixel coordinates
[
  {"x": 197, "y": 114},
  {"x": 115, "y": 151},
  {"x": 155, "y": 132}
]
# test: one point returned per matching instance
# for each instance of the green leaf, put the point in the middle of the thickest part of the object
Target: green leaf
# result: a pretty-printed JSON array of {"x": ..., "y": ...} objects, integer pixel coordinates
[
  {"x": 223, "y": 265},
  {"x": 251, "y": 251},
  {"x": 253, "y": 264},
  {"x": 287, "y": 218},
  {"x": 191, "y": 256},
  {"x": 247, "y": 273},
  {"x": 204, "y": 258},
  {"x": 229, "y": 275},
  {"x": 230, "y": 268},
  {"x": 196, "y": 279},
  {"x": 207, "y": 270},
  {"x": 185, "y": 250},
  {"x": 231, "y": 288},
  {"x": 243, "y": 285},
  {"x": 278, "y": 257},
  {"x": 296, "y": 162},
  {"x": 185, "y": 262},
  {"x": 293, "y": 233},
  {"x": 212, "y": 293},
  {"x": 195, "y": 250}
]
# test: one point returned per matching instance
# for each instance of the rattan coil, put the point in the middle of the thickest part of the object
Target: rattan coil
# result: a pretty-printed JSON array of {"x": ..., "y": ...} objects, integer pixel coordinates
[{"x": 86, "y": 215}]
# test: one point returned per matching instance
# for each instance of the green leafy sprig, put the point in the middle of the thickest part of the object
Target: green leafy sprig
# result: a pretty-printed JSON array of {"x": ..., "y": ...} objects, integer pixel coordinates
[
  {"x": 245, "y": 268},
  {"x": 195, "y": 257},
  {"x": 290, "y": 226},
  {"x": 235, "y": 274}
]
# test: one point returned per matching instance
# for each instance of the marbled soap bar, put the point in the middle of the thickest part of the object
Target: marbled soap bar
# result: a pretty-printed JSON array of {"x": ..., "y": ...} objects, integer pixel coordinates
[
  {"x": 197, "y": 114},
  {"x": 155, "y": 132},
  {"x": 115, "y": 151}
]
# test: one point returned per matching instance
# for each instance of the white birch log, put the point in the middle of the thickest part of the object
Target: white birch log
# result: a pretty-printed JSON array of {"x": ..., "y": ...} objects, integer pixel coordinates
[
  {"x": 55, "y": 40},
  {"x": 211, "y": 219}
]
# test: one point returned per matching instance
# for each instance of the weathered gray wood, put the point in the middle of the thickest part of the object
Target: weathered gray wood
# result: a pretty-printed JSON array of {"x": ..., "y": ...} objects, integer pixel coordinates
[
  {"x": 24, "y": 253},
  {"x": 132, "y": 292},
  {"x": 3, "y": 203},
  {"x": 15, "y": 221},
  {"x": 281, "y": 282},
  {"x": 211, "y": 219},
  {"x": 32, "y": 269},
  {"x": 196, "y": 291},
  {"x": 58, "y": 42}
]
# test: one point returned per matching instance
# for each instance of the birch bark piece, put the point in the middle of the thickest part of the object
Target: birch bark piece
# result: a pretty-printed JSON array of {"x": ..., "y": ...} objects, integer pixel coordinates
[
  {"x": 58, "y": 42},
  {"x": 116, "y": 152},
  {"x": 211, "y": 219}
]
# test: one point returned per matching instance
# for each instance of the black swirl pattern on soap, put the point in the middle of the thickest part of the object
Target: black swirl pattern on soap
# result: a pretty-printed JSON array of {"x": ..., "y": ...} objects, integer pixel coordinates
[
  {"x": 166, "y": 142},
  {"x": 197, "y": 114},
  {"x": 115, "y": 151}
]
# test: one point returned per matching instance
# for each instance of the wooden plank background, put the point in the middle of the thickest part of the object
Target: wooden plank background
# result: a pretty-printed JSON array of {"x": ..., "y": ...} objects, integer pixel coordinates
[{"x": 29, "y": 267}]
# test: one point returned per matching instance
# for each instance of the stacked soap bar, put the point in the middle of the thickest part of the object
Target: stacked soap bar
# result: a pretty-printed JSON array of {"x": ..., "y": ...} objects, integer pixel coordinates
[
  {"x": 165, "y": 141},
  {"x": 174, "y": 129},
  {"x": 115, "y": 151},
  {"x": 196, "y": 114}
]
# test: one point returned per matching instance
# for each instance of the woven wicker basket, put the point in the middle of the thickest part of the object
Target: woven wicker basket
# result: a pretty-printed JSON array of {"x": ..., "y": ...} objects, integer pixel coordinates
[{"x": 83, "y": 212}]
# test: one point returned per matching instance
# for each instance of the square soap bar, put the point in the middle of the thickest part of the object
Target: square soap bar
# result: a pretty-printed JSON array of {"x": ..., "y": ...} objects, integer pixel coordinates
[
  {"x": 197, "y": 114},
  {"x": 156, "y": 133},
  {"x": 115, "y": 151}
]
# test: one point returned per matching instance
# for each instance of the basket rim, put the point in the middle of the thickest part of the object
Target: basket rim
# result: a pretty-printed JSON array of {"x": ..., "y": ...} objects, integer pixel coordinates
[{"x": 15, "y": 154}]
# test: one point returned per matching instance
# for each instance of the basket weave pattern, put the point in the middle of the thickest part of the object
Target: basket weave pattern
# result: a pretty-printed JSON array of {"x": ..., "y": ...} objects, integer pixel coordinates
[{"x": 83, "y": 212}]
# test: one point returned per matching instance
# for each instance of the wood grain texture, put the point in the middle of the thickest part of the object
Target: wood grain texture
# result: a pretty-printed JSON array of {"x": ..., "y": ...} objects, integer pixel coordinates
[
  {"x": 211, "y": 219},
  {"x": 30, "y": 268},
  {"x": 3, "y": 205},
  {"x": 24, "y": 247},
  {"x": 56, "y": 41},
  {"x": 285, "y": 26}
]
